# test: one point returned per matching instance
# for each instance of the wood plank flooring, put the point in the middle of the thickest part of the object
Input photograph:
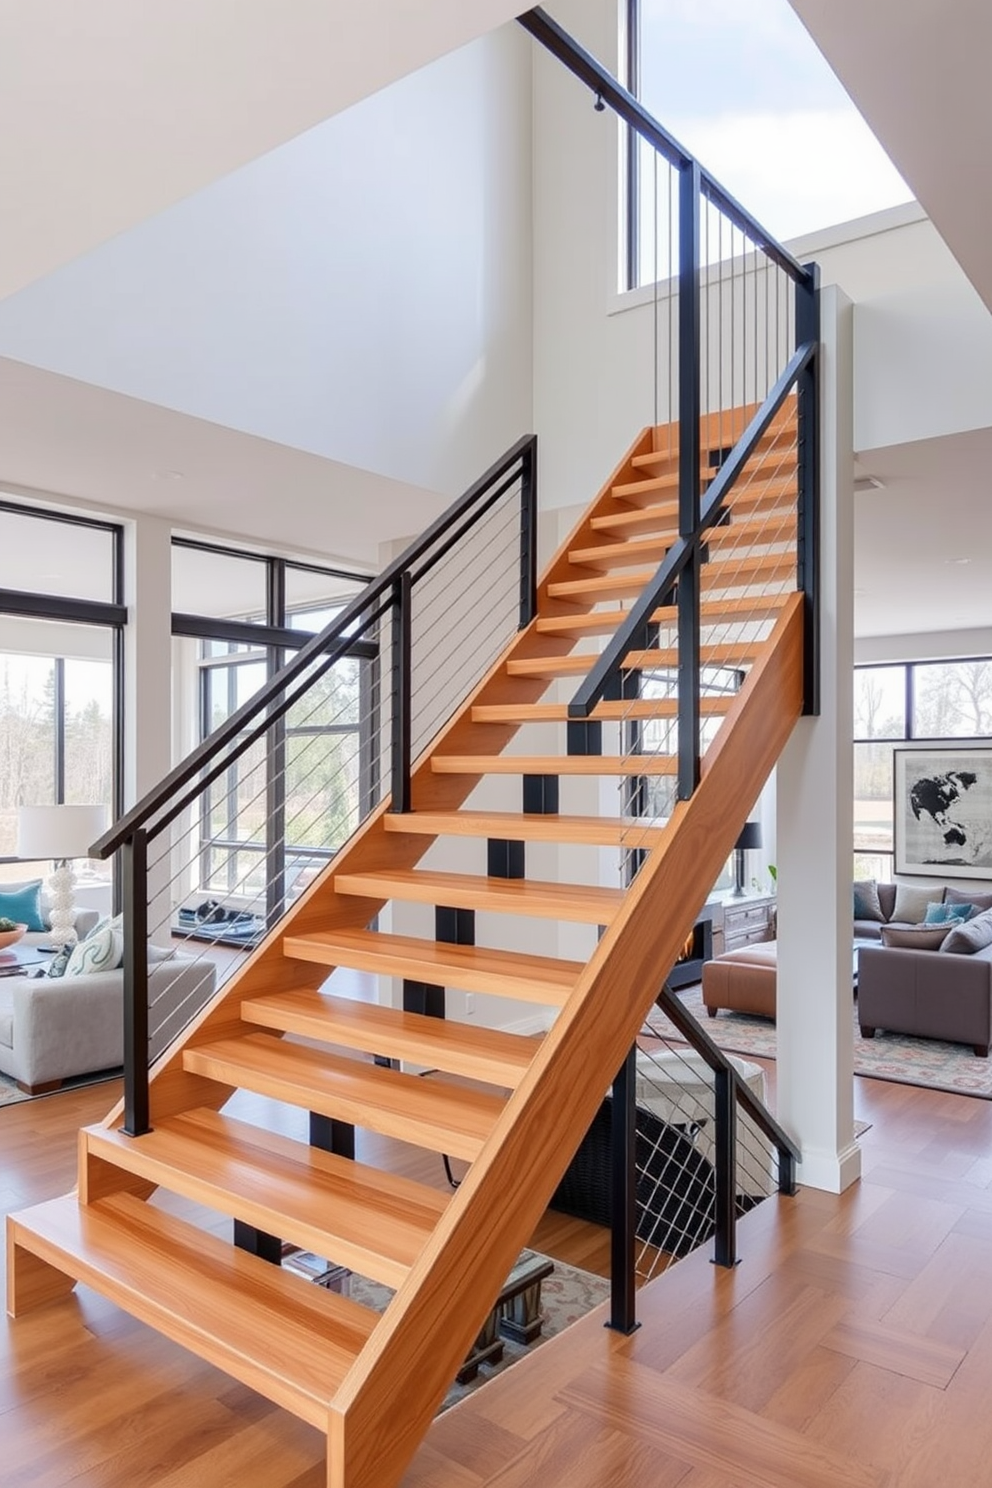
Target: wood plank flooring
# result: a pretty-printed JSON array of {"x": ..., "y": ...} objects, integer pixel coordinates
[{"x": 852, "y": 1347}]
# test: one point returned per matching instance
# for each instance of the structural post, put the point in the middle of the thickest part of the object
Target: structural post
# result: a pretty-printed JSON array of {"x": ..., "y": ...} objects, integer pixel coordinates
[{"x": 623, "y": 1198}]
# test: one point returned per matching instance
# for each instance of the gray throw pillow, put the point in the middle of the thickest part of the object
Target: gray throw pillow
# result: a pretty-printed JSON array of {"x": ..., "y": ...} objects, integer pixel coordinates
[
  {"x": 866, "y": 901},
  {"x": 915, "y": 937},
  {"x": 911, "y": 902},
  {"x": 961, "y": 896},
  {"x": 974, "y": 935}
]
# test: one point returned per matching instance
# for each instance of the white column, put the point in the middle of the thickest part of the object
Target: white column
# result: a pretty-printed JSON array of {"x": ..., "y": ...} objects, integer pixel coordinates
[{"x": 814, "y": 809}]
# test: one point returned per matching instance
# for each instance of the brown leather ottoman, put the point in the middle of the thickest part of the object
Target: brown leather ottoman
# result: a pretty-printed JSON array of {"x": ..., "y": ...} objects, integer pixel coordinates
[{"x": 742, "y": 981}]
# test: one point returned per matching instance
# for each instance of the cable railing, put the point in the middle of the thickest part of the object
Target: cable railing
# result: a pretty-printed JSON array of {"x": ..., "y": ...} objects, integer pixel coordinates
[{"x": 214, "y": 857}]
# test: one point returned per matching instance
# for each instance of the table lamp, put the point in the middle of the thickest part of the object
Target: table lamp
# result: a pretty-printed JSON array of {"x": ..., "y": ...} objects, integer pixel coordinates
[
  {"x": 60, "y": 833},
  {"x": 750, "y": 837}
]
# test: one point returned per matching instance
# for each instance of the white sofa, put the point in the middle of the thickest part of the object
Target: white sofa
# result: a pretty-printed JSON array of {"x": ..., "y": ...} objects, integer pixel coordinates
[{"x": 52, "y": 1028}]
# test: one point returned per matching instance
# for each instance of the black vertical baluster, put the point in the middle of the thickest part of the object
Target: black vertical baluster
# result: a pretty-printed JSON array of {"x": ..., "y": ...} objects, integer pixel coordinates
[
  {"x": 808, "y": 475},
  {"x": 726, "y": 1167},
  {"x": 623, "y": 1198},
  {"x": 528, "y": 535},
  {"x": 134, "y": 871},
  {"x": 401, "y": 691},
  {"x": 689, "y": 477}
]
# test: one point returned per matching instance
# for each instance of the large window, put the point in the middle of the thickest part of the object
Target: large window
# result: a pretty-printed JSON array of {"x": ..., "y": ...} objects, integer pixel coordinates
[
  {"x": 745, "y": 88},
  {"x": 922, "y": 701},
  {"x": 60, "y": 670},
  {"x": 288, "y": 803}
]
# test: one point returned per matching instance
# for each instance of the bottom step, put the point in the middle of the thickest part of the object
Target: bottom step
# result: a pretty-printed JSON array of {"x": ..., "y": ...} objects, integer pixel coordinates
[{"x": 290, "y": 1341}]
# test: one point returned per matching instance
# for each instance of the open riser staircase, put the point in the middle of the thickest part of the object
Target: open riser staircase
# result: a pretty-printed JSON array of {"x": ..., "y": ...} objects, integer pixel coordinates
[{"x": 512, "y": 1106}]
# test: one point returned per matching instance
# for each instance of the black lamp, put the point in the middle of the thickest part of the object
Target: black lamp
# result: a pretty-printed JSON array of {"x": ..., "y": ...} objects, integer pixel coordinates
[{"x": 750, "y": 837}]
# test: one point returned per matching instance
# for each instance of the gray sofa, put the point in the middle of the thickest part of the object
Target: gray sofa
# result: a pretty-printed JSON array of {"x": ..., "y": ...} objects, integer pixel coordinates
[
  {"x": 943, "y": 991},
  {"x": 54, "y": 1028}
]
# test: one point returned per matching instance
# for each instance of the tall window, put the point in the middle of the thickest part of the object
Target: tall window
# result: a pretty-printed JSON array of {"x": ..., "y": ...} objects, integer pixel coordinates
[
  {"x": 287, "y": 804},
  {"x": 60, "y": 669},
  {"x": 929, "y": 701},
  {"x": 746, "y": 90}
]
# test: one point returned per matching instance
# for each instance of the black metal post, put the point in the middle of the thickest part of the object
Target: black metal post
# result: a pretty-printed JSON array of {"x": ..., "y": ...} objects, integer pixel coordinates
[
  {"x": 258, "y": 1242},
  {"x": 401, "y": 691},
  {"x": 786, "y": 1171},
  {"x": 134, "y": 875},
  {"x": 332, "y": 1135},
  {"x": 808, "y": 513},
  {"x": 623, "y": 1198},
  {"x": 725, "y": 1249},
  {"x": 689, "y": 477},
  {"x": 505, "y": 858},
  {"x": 540, "y": 793},
  {"x": 528, "y": 535}
]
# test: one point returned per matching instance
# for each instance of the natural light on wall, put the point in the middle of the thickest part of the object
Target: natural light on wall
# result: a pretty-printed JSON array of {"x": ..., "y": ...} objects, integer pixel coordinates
[{"x": 743, "y": 86}]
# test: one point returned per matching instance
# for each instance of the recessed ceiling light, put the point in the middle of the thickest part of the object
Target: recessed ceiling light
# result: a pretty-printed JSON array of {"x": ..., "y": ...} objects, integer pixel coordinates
[
  {"x": 957, "y": 562},
  {"x": 168, "y": 475}
]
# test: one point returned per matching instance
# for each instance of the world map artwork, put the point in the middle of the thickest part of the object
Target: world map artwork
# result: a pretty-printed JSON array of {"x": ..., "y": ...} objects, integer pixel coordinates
[{"x": 944, "y": 808}]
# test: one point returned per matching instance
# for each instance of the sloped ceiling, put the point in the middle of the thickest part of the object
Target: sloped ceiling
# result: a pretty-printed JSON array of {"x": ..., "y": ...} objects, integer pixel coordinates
[
  {"x": 918, "y": 70},
  {"x": 114, "y": 109}
]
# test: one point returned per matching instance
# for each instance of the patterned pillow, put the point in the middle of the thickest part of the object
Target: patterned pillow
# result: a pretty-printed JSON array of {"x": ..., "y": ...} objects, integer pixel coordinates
[
  {"x": 102, "y": 950},
  {"x": 23, "y": 906},
  {"x": 59, "y": 962},
  {"x": 866, "y": 901},
  {"x": 911, "y": 903},
  {"x": 945, "y": 914},
  {"x": 974, "y": 935},
  {"x": 915, "y": 937}
]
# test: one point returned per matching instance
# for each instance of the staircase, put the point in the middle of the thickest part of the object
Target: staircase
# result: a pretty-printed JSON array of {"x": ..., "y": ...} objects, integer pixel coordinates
[{"x": 512, "y": 1106}]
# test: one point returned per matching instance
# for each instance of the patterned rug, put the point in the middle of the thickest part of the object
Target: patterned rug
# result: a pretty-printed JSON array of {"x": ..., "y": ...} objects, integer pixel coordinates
[
  {"x": 566, "y": 1296},
  {"x": 888, "y": 1056},
  {"x": 10, "y": 1095}
]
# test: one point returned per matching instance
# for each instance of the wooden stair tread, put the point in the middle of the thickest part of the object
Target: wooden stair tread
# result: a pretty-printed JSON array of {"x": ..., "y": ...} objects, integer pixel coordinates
[
  {"x": 764, "y": 473},
  {"x": 596, "y": 831},
  {"x": 374, "y": 1222},
  {"x": 469, "y": 968},
  {"x": 468, "y": 1049},
  {"x": 292, "y": 1342},
  {"x": 588, "y": 904},
  {"x": 580, "y": 662},
  {"x": 564, "y": 764},
  {"x": 778, "y": 431},
  {"x": 430, "y": 1113},
  {"x": 775, "y": 525},
  {"x": 629, "y": 709},
  {"x": 711, "y": 611},
  {"x": 647, "y": 516},
  {"x": 630, "y": 584}
]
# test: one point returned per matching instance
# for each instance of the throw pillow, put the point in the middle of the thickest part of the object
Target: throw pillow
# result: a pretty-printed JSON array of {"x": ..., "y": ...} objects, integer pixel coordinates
[
  {"x": 974, "y": 935},
  {"x": 915, "y": 937},
  {"x": 944, "y": 914},
  {"x": 911, "y": 903},
  {"x": 23, "y": 906},
  {"x": 866, "y": 901},
  {"x": 102, "y": 950},
  {"x": 977, "y": 901}
]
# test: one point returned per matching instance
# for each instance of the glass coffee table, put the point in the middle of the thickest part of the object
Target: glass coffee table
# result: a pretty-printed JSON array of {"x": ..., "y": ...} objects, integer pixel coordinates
[{"x": 18, "y": 960}]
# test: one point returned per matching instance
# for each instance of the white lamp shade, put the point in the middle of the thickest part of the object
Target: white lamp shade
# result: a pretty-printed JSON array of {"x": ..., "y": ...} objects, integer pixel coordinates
[{"x": 58, "y": 831}]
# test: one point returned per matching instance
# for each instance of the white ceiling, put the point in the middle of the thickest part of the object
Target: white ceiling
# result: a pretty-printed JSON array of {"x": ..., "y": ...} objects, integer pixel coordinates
[
  {"x": 111, "y": 110},
  {"x": 923, "y": 541},
  {"x": 115, "y": 453},
  {"x": 918, "y": 70}
]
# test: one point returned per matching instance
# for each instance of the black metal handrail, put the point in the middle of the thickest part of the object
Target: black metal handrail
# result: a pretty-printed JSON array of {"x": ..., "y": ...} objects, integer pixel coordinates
[
  {"x": 730, "y": 1090},
  {"x": 585, "y": 67},
  {"x": 334, "y": 640},
  {"x": 354, "y": 631},
  {"x": 632, "y": 635}
]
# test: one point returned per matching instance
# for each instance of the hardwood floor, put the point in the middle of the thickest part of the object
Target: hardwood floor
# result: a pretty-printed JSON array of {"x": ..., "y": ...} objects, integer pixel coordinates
[{"x": 851, "y": 1348}]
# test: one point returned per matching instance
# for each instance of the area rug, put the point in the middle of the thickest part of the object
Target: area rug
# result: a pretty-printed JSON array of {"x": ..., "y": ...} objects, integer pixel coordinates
[
  {"x": 10, "y": 1095},
  {"x": 566, "y": 1296},
  {"x": 888, "y": 1056}
]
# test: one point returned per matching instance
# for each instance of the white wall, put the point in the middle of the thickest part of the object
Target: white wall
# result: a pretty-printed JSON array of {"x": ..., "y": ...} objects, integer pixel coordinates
[{"x": 362, "y": 292}]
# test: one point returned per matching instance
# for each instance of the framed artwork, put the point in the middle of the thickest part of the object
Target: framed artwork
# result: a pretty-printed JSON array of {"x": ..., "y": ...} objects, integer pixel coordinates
[{"x": 943, "y": 812}]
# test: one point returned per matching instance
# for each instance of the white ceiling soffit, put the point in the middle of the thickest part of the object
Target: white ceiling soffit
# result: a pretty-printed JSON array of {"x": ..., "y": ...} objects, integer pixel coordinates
[
  {"x": 918, "y": 70},
  {"x": 113, "y": 453},
  {"x": 114, "y": 109},
  {"x": 923, "y": 537}
]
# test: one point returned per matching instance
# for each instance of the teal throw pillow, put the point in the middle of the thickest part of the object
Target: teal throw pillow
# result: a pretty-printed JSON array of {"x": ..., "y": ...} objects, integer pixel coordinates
[
  {"x": 23, "y": 906},
  {"x": 948, "y": 914},
  {"x": 102, "y": 950},
  {"x": 867, "y": 905}
]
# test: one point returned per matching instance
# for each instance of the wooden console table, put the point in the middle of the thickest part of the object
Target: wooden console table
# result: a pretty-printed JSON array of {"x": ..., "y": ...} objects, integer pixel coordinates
[{"x": 516, "y": 1315}]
